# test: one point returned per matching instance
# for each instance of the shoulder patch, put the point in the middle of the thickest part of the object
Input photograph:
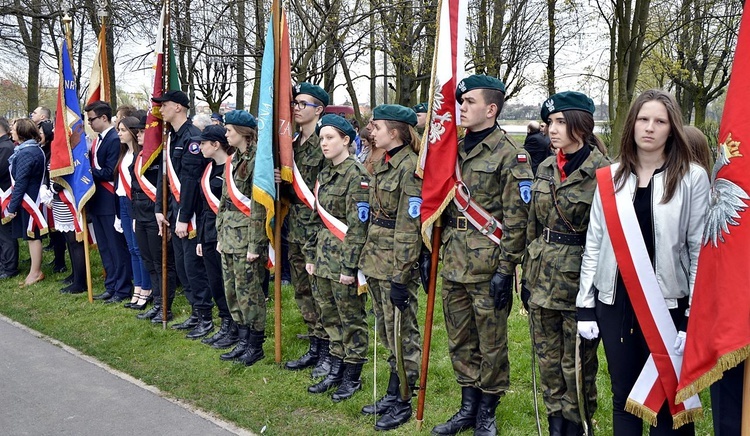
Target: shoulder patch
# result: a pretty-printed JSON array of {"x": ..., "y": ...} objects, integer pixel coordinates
[
  {"x": 521, "y": 158},
  {"x": 525, "y": 187},
  {"x": 364, "y": 185},
  {"x": 415, "y": 206},
  {"x": 363, "y": 211},
  {"x": 194, "y": 148}
]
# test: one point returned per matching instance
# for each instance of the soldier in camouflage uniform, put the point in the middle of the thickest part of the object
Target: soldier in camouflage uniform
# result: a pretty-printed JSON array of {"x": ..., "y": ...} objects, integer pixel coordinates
[
  {"x": 558, "y": 219},
  {"x": 478, "y": 272},
  {"x": 341, "y": 191},
  {"x": 309, "y": 102},
  {"x": 243, "y": 243},
  {"x": 390, "y": 255}
]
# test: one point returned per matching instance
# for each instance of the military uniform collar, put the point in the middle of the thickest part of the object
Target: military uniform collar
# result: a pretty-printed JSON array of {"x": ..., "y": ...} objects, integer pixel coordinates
[
  {"x": 492, "y": 142},
  {"x": 312, "y": 141},
  {"x": 587, "y": 168},
  {"x": 343, "y": 167},
  {"x": 183, "y": 128}
]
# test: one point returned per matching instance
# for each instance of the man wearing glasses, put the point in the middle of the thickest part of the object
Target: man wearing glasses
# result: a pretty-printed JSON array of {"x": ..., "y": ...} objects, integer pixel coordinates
[{"x": 307, "y": 106}]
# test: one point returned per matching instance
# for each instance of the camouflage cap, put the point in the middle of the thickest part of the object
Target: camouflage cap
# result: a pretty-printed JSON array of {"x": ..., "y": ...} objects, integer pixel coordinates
[
  {"x": 421, "y": 108},
  {"x": 240, "y": 118},
  {"x": 313, "y": 90},
  {"x": 478, "y": 81},
  {"x": 566, "y": 101},
  {"x": 337, "y": 122},
  {"x": 395, "y": 112}
]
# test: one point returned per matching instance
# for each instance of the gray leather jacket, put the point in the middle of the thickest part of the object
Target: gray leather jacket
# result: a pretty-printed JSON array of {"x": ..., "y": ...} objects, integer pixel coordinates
[{"x": 678, "y": 229}]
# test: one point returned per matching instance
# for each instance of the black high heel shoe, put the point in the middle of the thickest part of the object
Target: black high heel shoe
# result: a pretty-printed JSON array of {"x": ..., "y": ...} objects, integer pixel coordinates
[
  {"x": 143, "y": 301},
  {"x": 133, "y": 300}
]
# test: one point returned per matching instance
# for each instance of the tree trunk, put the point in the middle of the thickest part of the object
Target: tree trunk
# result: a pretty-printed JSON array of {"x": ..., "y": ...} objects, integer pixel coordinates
[
  {"x": 241, "y": 35},
  {"x": 551, "y": 5}
]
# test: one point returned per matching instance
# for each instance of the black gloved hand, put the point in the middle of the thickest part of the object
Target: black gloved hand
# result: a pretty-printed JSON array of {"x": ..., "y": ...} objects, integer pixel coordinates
[
  {"x": 500, "y": 289},
  {"x": 57, "y": 188},
  {"x": 425, "y": 263},
  {"x": 399, "y": 296},
  {"x": 525, "y": 295}
]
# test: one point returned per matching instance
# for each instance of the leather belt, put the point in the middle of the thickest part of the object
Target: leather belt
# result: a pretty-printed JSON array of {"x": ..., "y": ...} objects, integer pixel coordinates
[
  {"x": 563, "y": 238},
  {"x": 459, "y": 223},
  {"x": 139, "y": 196},
  {"x": 383, "y": 222}
]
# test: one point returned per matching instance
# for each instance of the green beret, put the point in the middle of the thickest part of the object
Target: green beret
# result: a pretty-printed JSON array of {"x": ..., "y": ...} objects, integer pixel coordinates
[
  {"x": 337, "y": 122},
  {"x": 567, "y": 101},
  {"x": 395, "y": 112},
  {"x": 421, "y": 108},
  {"x": 240, "y": 118},
  {"x": 478, "y": 81},
  {"x": 313, "y": 90}
]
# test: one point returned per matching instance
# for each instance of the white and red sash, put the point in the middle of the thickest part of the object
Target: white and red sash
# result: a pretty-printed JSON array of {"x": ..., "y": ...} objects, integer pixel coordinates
[
  {"x": 339, "y": 229},
  {"x": 109, "y": 186},
  {"x": 148, "y": 188},
  {"x": 175, "y": 187},
  {"x": 211, "y": 199},
  {"x": 301, "y": 189},
  {"x": 659, "y": 377},
  {"x": 240, "y": 200},
  {"x": 124, "y": 177},
  {"x": 35, "y": 209},
  {"x": 474, "y": 213}
]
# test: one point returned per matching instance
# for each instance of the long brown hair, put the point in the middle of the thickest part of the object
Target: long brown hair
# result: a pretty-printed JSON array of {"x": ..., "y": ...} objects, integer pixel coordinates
[
  {"x": 676, "y": 152},
  {"x": 699, "y": 146},
  {"x": 130, "y": 123},
  {"x": 406, "y": 133},
  {"x": 580, "y": 126}
]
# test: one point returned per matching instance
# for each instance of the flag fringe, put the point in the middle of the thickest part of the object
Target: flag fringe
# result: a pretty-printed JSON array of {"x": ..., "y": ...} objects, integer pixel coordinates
[
  {"x": 686, "y": 416},
  {"x": 264, "y": 199},
  {"x": 725, "y": 362},
  {"x": 150, "y": 159},
  {"x": 287, "y": 174},
  {"x": 426, "y": 236},
  {"x": 60, "y": 172},
  {"x": 641, "y": 412}
]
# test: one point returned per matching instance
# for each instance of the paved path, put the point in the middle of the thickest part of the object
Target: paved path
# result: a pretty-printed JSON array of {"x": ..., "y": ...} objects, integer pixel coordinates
[{"x": 47, "y": 388}]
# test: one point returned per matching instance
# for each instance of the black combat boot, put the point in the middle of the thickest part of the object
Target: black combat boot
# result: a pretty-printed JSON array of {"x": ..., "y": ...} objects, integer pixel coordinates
[
  {"x": 158, "y": 318},
  {"x": 556, "y": 425},
  {"x": 386, "y": 401},
  {"x": 243, "y": 332},
  {"x": 189, "y": 323},
  {"x": 229, "y": 339},
  {"x": 151, "y": 313},
  {"x": 351, "y": 382},
  {"x": 333, "y": 378},
  {"x": 485, "y": 425},
  {"x": 466, "y": 417},
  {"x": 204, "y": 327},
  {"x": 223, "y": 330},
  {"x": 308, "y": 359},
  {"x": 398, "y": 414},
  {"x": 323, "y": 367},
  {"x": 254, "y": 350},
  {"x": 572, "y": 428}
]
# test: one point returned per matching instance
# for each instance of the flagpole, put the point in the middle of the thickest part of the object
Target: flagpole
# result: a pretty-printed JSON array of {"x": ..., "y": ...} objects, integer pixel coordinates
[
  {"x": 746, "y": 400},
  {"x": 437, "y": 231},
  {"x": 165, "y": 178},
  {"x": 276, "y": 23}
]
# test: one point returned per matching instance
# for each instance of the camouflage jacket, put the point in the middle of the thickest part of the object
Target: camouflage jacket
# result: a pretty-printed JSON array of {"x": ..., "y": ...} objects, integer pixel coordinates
[
  {"x": 238, "y": 233},
  {"x": 309, "y": 159},
  {"x": 395, "y": 196},
  {"x": 495, "y": 171},
  {"x": 551, "y": 269},
  {"x": 342, "y": 193}
]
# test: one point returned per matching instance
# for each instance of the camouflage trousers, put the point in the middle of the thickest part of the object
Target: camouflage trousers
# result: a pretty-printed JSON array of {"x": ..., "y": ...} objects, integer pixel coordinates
[
  {"x": 243, "y": 286},
  {"x": 342, "y": 313},
  {"x": 303, "y": 284},
  {"x": 477, "y": 336},
  {"x": 554, "y": 340},
  {"x": 380, "y": 291}
]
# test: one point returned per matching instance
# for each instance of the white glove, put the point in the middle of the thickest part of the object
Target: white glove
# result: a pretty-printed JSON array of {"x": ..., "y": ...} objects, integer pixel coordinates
[
  {"x": 45, "y": 195},
  {"x": 679, "y": 343},
  {"x": 588, "y": 329},
  {"x": 118, "y": 225}
]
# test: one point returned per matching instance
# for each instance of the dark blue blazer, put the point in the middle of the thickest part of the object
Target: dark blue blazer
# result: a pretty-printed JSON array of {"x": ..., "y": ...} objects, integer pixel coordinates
[{"x": 104, "y": 201}]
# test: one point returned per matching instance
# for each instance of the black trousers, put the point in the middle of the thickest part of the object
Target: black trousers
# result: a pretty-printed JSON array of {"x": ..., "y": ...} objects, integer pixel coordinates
[
  {"x": 726, "y": 402},
  {"x": 212, "y": 262},
  {"x": 8, "y": 250},
  {"x": 57, "y": 242},
  {"x": 192, "y": 273},
  {"x": 626, "y": 351},
  {"x": 149, "y": 243},
  {"x": 115, "y": 256},
  {"x": 77, "y": 259}
]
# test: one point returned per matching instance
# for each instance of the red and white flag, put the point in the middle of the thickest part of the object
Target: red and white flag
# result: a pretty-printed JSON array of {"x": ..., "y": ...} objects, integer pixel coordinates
[
  {"x": 718, "y": 336},
  {"x": 99, "y": 82},
  {"x": 437, "y": 158}
]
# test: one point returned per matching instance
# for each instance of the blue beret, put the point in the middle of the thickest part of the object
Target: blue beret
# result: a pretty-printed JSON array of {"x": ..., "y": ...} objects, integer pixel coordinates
[
  {"x": 213, "y": 132},
  {"x": 217, "y": 117},
  {"x": 421, "y": 108},
  {"x": 478, "y": 81},
  {"x": 395, "y": 112},
  {"x": 313, "y": 90},
  {"x": 339, "y": 123},
  {"x": 566, "y": 101},
  {"x": 240, "y": 118}
]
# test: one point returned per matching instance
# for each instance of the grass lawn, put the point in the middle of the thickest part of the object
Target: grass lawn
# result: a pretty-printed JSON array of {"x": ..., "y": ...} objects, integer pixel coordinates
[{"x": 265, "y": 395}]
